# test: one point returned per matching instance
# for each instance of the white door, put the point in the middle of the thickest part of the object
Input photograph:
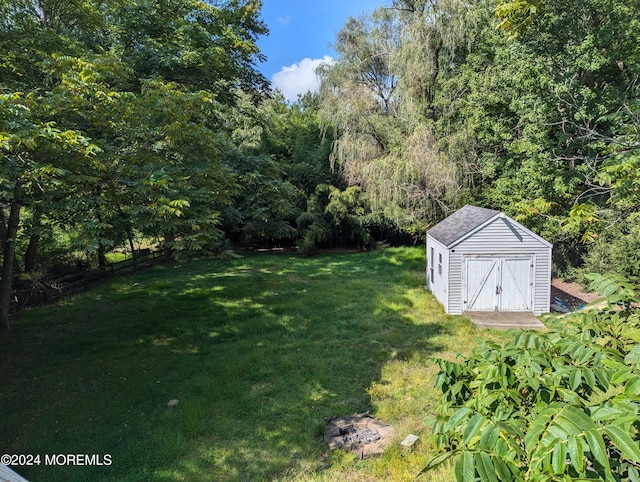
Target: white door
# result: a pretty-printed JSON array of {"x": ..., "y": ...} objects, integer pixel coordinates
[
  {"x": 498, "y": 284},
  {"x": 481, "y": 282},
  {"x": 516, "y": 284}
]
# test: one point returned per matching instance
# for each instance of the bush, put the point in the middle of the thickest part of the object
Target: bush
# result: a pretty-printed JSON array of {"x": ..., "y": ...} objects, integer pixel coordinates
[
  {"x": 334, "y": 218},
  {"x": 617, "y": 249},
  {"x": 557, "y": 405}
]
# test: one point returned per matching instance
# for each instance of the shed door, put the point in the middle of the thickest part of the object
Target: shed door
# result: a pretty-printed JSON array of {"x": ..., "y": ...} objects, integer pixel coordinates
[
  {"x": 498, "y": 284},
  {"x": 481, "y": 282},
  {"x": 516, "y": 284}
]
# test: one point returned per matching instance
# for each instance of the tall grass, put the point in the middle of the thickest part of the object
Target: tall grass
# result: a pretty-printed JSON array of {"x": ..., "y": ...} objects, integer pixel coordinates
[{"x": 257, "y": 351}]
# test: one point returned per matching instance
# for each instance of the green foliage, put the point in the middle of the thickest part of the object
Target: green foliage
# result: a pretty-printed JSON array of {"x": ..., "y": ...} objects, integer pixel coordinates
[
  {"x": 335, "y": 218},
  {"x": 143, "y": 86},
  {"x": 382, "y": 99},
  {"x": 608, "y": 218},
  {"x": 557, "y": 405},
  {"x": 281, "y": 157},
  {"x": 618, "y": 173},
  {"x": 151, "y": 119},
  {"x": 615, "y": 249},
  {"x": 516, "y": 17},
  {"x": 427, "y": 119},
  {"x": 268, "y": 204}
]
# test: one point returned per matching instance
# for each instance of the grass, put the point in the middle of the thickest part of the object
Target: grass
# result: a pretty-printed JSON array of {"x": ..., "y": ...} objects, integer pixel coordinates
[{"x": 257, "y": 351}]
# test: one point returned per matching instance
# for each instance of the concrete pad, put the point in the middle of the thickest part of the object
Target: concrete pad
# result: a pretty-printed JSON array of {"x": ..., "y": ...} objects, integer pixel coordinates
[{"x": 505, "y": 320}]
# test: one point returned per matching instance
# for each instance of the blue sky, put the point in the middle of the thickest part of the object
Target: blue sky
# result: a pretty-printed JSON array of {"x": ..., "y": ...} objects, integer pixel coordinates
[{"x": 301, "y": 32}]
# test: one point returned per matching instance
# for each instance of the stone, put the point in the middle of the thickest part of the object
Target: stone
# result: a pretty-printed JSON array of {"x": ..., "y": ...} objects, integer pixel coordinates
[
  {"x": 360, "y": 434},
  {"x": 409, "y": 441}
]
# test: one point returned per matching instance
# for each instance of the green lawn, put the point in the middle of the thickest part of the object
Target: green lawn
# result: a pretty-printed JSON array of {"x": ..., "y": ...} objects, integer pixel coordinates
[{"x": 257, "y": 350}]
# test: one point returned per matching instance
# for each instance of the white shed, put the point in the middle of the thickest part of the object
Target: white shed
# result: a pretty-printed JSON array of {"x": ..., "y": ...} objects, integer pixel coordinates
[{"x": 482, "y": 260}]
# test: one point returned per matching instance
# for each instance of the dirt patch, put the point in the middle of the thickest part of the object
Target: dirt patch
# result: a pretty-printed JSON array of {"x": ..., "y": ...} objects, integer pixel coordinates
[
  {"x": 569, "y": 296},
  {"x": 574, "y": 289}
]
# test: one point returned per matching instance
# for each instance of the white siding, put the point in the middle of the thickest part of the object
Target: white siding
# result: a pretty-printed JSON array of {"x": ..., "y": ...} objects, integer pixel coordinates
[
  {"x": 501, "y": 236},
  {"x": 437, "y": 270},
  {"x": 8, "y": 475}
]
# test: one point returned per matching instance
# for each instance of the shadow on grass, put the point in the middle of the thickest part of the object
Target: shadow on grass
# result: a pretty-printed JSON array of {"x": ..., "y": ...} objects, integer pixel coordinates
[{"x": 257, "y": 351}]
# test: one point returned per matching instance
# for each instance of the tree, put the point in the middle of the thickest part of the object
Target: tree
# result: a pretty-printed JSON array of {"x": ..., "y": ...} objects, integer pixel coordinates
[
  {"x": 587, "y": 56},
  {"x": 199, "y": 45},
  {"x": 141, "y": 87},
  {"x": 335, "y": 218},
  {"x": 33, "y": 155},
  {"x": 606, "y": 212},
  {"x": 381, "y": 96}
]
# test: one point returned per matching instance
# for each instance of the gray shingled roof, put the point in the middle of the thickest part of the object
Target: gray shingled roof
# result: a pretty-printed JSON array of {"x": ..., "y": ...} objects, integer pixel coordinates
[{"x": 461, "y": 222}]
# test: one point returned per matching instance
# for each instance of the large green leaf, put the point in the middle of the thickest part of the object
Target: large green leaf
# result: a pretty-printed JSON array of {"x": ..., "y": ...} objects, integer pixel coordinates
[
  {"x": 609, "y": 412},
  {"x": 621, "y": 376},
  {"x": 589, "y": 377},
  {"x": 473, "y": 428},
  {"x": 457, "y": 418},
  {"x": 485, "y": 467},
  {"x": 489, "y": 436},
  {"x": 502, "y": 469},
  {"x": 575, "y": 449},
  {"x": 464, "y": 467},
  {"x": 623, "y": 441},
  {"x": 632, "y": 387},
  {"x": 598, "y": 451},
  {"x": 575, "y": 379},
  {"x": 633, "y": 357},
  {"x": 537, "y": 428},
  {"x": 437, "y": 460},
  {"x": 559, "y": 458},
  {"x": 569, "y": 395}
]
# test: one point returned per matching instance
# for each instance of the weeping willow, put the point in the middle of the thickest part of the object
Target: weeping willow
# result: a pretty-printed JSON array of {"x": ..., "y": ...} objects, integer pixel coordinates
[{"x": 379, "y": 96}]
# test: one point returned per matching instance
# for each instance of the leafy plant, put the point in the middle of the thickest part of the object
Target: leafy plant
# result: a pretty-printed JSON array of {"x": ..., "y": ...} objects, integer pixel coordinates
[
  {"x": 616, "y": 248},
  {"x": 557, "y": 405},
  {"x": 335, "y": 218}
]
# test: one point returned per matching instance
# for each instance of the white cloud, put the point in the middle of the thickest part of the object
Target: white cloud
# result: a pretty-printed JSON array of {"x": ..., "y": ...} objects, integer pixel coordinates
[
  {"x": 299, "y": 78},
  {"x": 284, "y": 20}
]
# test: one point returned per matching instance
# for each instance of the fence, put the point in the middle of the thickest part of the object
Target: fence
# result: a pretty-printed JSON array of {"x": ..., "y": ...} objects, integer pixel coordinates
[{"x": 47, "y": 291}]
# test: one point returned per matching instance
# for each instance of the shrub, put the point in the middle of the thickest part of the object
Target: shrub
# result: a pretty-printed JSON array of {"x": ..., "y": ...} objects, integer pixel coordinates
[
  {"x": 557, "y": 405},
  {"x": 617, "y": 249},
  {"x": 334, "y": 218}
]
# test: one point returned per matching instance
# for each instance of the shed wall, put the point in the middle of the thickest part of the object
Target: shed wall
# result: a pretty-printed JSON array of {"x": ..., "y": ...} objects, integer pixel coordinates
[{"x": 438, "y": 270}]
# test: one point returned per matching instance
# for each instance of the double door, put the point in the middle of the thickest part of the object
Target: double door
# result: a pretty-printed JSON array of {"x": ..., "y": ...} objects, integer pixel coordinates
[{"x": 498, "y": 283}]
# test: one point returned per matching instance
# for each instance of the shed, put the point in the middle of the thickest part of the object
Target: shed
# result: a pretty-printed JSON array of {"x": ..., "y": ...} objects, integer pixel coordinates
[
  {"x": 482, "y": 260},
  {"x": 8, "y": 475}
]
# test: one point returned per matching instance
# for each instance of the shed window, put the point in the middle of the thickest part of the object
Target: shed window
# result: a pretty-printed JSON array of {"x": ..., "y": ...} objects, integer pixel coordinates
[
  {"x": 440, "y": 263},
  {"x": 431, "y": 264}
]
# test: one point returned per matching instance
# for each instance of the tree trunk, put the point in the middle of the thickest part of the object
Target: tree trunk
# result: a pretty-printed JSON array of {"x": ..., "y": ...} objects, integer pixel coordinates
[
  {"x": 102, "y": 258},
  {"x": 132, "y": 247},
  {"x": 34, "y": 242},
  {"x": 8, "y": 253},
  {"x": 169, "y": 243},
  {"x": 431, "y": 89}
]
